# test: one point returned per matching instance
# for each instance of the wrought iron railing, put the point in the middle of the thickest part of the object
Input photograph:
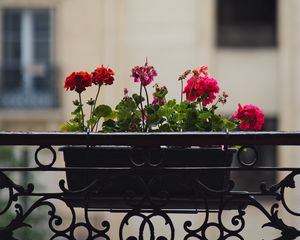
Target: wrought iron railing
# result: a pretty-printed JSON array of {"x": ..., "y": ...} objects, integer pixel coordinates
[{"x": 269, "y": 200}]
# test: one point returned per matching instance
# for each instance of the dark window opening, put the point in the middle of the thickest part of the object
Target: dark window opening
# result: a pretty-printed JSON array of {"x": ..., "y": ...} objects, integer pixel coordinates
[
  {"x": 246, "y": 23},
  {"x": 27, "y": 77}
]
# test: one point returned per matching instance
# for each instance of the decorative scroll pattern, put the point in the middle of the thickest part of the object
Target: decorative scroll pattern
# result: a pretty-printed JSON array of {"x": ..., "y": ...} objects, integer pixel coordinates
[{"x": 144, "y": 220}]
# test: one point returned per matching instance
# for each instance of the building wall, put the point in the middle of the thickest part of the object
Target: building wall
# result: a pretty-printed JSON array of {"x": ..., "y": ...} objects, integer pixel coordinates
[{"x": 122, "y": 34}]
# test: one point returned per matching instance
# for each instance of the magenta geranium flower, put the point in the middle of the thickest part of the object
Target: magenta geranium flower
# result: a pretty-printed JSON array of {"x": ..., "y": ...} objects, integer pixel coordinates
[
  {"x": 250, "y": 117},
  {"x": 143, "y": 74},
  {"x": 204, "y": 87}
]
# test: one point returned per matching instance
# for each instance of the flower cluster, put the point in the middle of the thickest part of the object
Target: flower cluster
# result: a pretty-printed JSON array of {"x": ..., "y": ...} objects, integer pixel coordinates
[
  {"x": 103, "y": 75},
  {"x": 250, "y": 117},
  {"x": 78, "y": 81},
  {"x": 143, "y": 74},
  {"x": 202, "y": 87},
  {"x": 139, "y": 113}
]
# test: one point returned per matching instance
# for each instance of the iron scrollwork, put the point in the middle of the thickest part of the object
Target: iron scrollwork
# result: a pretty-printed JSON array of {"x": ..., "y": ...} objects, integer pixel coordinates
[{"x": 141, "y": 218}]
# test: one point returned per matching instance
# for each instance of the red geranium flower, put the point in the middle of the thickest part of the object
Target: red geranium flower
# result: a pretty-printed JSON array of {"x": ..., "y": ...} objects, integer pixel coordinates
[
  {"x": 102, "y": 75},
  {"x": 250, "y": 117},
  {"x": 78, "y": 81},
  {"x": 204, "y": 87}
]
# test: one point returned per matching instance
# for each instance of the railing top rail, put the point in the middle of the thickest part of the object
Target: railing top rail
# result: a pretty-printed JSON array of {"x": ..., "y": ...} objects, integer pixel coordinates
[{"x": 150, "y": 139}]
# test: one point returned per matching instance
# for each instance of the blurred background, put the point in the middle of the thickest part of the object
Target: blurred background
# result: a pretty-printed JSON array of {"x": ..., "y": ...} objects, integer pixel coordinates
[{"x": 250, "y": 47}]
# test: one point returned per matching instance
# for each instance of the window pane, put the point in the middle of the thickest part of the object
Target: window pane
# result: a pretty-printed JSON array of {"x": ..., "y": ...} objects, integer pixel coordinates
[
  {"x": 45, "y": 81},
  {"x": 41, "y": 35},
  {"x": 41, "y": 51},
  {"x": 12, "y": 23},
  {"x": 41, "y": 19},
  {"x": 12, "y": 36},
  {"x": 11, "y": 71},
  {"x": 246, "y": 23},
  {"x": 12, "y": 52},
  {"x": 11, "y": 79}
]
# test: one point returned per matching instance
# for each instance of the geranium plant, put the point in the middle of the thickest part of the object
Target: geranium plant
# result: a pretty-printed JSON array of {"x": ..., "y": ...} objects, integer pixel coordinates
[{"x": 142, "y": 112}]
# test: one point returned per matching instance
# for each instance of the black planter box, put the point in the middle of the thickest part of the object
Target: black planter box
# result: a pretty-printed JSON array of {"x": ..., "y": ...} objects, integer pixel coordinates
[{"x": 147, "y": 178}]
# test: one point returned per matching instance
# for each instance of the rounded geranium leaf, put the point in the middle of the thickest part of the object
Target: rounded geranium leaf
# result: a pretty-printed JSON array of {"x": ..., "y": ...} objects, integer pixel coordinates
[{"x": 102, "y": 111}]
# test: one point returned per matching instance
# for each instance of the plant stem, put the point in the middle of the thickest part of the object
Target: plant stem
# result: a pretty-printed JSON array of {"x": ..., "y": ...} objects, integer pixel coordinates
[
  {"x": 147, "y": 97},
  {"x": 91, "y": 114},
  {"x": 94, "y": 107},
  {"x": 192, "y": 89},
  {"x": 142, "y": 108},
  {"x": 97, "y": 95},
  {"x": 96, "y": 126},
  {"x": 215, "y": 105},
  {"x": 181, "y": 95},
  {"x": 81, "y": 108}
]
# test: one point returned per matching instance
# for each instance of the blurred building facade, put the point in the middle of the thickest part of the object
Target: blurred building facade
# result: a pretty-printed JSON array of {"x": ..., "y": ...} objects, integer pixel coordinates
[
  {"x": 248, "y": 47},
  {"x": 251, "y": 48}
]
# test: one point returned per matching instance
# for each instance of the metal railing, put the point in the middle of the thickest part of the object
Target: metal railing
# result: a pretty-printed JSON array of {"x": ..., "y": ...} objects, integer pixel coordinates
[{"x": 142, "y": 204}]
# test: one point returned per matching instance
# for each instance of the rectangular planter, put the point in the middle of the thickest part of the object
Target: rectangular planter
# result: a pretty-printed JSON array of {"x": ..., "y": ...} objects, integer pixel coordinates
[{"x": 147, "y": 178}]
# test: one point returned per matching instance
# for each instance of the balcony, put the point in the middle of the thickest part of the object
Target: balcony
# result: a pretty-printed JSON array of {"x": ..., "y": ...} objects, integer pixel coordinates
[{"x": 80, "y": 213}]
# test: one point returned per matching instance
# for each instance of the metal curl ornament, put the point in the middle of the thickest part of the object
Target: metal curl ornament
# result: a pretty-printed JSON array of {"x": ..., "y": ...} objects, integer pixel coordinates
[
  {"x": 242, "y": 162},
  {"x": 38, "y": 162},
  {"x": 146, "y": 221},
  {"x": 141, "y": 157}
]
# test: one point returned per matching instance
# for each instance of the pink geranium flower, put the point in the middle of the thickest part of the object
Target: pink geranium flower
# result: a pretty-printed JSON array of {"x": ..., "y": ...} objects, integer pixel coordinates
[
  {"x": 204, "y": 87},
  {"x": 250, "y": 117},
  {"x": 143, "y": 74}
]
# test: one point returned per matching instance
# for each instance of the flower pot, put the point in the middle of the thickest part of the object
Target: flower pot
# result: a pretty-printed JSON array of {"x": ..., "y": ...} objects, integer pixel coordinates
[{"x": 147, "y": 177}]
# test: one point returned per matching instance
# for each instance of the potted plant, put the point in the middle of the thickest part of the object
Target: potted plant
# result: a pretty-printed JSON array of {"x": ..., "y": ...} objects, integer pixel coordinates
[{"x": 147, "y": 177}]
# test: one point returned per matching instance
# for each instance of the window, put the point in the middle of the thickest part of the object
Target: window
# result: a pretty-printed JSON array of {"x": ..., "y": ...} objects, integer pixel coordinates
[
  {"x": 246, "y": 23},
  {"x": 27, "y": 73}
]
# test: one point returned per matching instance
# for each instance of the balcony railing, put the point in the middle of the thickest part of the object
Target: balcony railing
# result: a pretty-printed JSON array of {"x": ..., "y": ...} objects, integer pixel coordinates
[{"x": 153, "y": 222}]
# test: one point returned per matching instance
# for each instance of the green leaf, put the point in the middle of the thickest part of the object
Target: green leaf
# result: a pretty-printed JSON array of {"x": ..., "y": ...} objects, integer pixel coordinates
[
  {"x": 229, "y": 125},
  {"x": 161, "y": 93},
  {"x": 77, "y": 110},
  {"x": 92, "y": 121},
  {"x": 70, "y": 127},
  {"x": 109, "y": 126},
  {"x": 171, "y": 103},
  {"x": 127, "y": 104},
  {"x": 76, "y": 102},
  {"x": 204, "y": 115},
  {"x": 90, "y": 102},
  {"x": 137, "y": 98},
  {"x": 102, "y": 111},
  {"x": 165, "y": 128},
  {"x": 152, "y": 119},
  {"x": 113, "y": 115}
]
